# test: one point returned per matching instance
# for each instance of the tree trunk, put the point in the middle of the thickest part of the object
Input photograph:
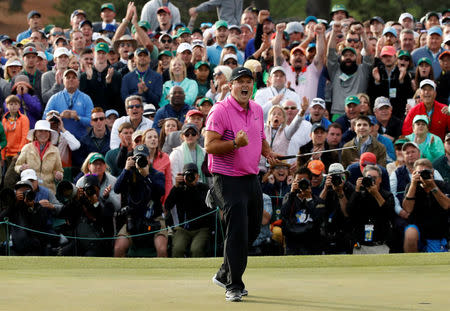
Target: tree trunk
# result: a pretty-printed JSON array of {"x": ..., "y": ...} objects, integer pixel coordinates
[{"x": 318, "y": 8}]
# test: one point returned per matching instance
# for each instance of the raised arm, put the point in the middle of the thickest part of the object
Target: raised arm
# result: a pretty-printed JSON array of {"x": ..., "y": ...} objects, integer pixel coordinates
[{"x": 277, "y": 54}]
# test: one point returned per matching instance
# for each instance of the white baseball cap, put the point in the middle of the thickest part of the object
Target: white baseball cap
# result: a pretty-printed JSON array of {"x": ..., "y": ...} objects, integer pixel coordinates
[
  {"x": 380, "y": 102},
  {"x": 277, "y": 68},
  {"x": 229, "y": 56},
  {"x": 317, "y": 101},
  {"x": 405, "y": 15},
  {"x": 42, "y": 55},
  {"x": 61, "y": 51},
  {"x": 184, "y": 47},
  {"x": 428, "y": 82},
  {"x": 28, "y": 174}
]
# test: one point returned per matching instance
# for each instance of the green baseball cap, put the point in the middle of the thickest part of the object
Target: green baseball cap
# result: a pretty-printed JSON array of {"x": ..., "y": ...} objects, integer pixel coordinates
[
  {"x": 102, "y": 46},
  {"x": 205, "y": 99},
  {"x": 142, "y": 24},
  {"x": 402, "y": 53},
  {"x": 165, "y": 52},
  {"x": 183, "y": 30},
  {"x": 421, "y": 117},
  {"x": 48, "y": 28},
  {"x": 347, "y": 48},
  {"x": 221, "y": 23},
  {"x": 95, "y": 157},
  {"x": 338, "y": 7},
  {"x": 198, "y": 64},
  {"x": 424, "y": 59},
  {"x": 109, "y": 6},
  {"x": 352, "y": 100}
]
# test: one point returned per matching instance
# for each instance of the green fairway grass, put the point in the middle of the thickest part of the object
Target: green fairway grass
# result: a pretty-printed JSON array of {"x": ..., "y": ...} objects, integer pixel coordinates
[{"x": 371, "y": 282}]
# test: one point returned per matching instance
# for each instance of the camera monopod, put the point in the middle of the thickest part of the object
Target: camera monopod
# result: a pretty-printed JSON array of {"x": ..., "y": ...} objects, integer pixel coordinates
[{"x": 312, "y": 153}]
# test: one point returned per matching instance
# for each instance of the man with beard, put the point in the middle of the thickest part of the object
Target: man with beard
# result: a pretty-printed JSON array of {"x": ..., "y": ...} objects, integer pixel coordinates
[
  {"x": 303, "y": 78},
  {"x": 391, "y": 81},
  {"x": 347, "y": 77}
]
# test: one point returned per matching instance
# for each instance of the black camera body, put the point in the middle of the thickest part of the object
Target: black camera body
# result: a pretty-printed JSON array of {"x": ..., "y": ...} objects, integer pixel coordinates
[
  {"x": 29, "y": 195},
  {"x": 54, "y": 119},
  {"x": 336, "y": 180},
  {"x": 189, "y": 176},
  {"x": 90, "y": 191},
  {"x": 425, "y": 174},
  {"x": 303, "y": 185},
  {"x": 141, "y": 160},
  {"x": 368, "y": 181}
]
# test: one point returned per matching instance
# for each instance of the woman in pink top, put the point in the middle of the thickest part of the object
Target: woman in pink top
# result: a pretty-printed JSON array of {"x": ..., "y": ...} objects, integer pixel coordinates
[{"x": 159, "y": 160}]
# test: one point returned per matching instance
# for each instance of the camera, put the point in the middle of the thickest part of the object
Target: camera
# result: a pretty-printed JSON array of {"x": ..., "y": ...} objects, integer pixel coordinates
[
  {"x": 189, "y": 176},
  {"x": 303, "y": 184},
  {"x": 54, "y": 119},
  {"x": 368, "y": 181},
  {"x": 425, "y": 174},
  {"x": 141, "y": 160},
  {"x": 90, "y": 191},
  {"x": 29, "y": 195},
  {"x": 336, "y": 180}
]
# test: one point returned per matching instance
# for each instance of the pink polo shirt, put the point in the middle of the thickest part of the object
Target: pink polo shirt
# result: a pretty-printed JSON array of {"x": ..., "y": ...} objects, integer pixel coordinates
[{"x": 227, "y": 118}]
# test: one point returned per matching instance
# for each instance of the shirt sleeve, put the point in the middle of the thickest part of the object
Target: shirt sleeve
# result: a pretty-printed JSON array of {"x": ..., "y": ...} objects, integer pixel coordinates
[{"x": 215, "y": 121}]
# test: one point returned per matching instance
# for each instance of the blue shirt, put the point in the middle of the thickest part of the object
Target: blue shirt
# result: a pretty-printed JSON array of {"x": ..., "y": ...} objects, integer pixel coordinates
[
  {"x": 153, "y": 81},
  {"x": 23, "y": 35},
  {"x": 390, "y": 151},
  {"x": 81, "y": 103},
  {"x": 425, "y": 52},
  {"x": 214, "y": 52},
  {"x": 168, "y": 112}
]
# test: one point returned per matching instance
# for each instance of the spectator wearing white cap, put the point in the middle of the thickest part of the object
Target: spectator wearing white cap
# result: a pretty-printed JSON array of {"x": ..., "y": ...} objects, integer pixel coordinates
[
  {"x": 406, "y": 20},
  {"x": 390, "y": 126},
  {"x": 317, "y": 111},
  {"x": 111, "y": 116},
  {"x": 295, "y": 32},
  {"x": 74, "y": 106},
  {"x": 277, "y": 92},
  {"x": 41, "y": 63},
  {"x": 44, "y": 196},
  {"x": 439, "y": 122},
  {"x": 184, "y": 52},
  {"x": 52, "y": 81}
]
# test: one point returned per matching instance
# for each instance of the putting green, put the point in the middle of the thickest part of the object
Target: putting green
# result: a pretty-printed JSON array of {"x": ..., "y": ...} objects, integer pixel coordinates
[{"x": 371, "y": 282}]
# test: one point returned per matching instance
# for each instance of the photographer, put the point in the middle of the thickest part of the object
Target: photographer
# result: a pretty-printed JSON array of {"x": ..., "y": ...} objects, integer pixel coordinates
[
  {"x": 142, "y": 187},
  {"x": 189, "y": 196},
  {"x": 26, "y": 213},
  {"x": 336, "y": 193},
  {"x": 86, "y": 216},
  {"x": 371, "y": 209},
  {"x": 427, "y": 202},
  {"x": 303, "y": 215}
]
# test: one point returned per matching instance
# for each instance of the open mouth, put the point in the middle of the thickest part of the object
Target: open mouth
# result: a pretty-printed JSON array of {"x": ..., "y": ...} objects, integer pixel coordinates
[
  {"x": 276, "y": 122},
  {"x": 244, "y": 92}
]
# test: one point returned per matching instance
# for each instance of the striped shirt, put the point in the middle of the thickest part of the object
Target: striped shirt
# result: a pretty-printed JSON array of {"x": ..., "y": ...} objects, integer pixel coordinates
[{"x": 227, "y": 118}]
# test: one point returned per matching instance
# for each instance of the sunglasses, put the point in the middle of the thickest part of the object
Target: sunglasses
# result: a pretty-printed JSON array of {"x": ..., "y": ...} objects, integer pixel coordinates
[
  {"x": 290, "y": 108},
  {"x": 352, "y": 40},
  {"x": 166, "y": 41},
  {"x": 98, "y": 119},
  {"x": 193, "y": 134},
  {"x": 134, "y": 106},
  {"x": 230, "y": 63}
]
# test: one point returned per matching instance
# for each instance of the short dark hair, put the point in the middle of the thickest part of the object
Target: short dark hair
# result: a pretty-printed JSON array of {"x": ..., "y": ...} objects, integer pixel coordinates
[
  {"x": 125, "y": 125},
  {"x": 86, "y": 51},
  {"x": 336, "y": 126},
  {"x": 303, "y": 170},
  {"x": 364, "y": 118}
]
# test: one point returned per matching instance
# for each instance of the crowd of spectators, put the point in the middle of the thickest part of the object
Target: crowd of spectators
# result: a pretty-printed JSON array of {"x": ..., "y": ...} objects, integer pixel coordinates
[{"x": 102, "y": 132}]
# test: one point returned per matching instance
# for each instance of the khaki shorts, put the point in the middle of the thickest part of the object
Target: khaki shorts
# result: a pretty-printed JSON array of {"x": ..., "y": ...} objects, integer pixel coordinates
[{"x": 124, "y": 233}]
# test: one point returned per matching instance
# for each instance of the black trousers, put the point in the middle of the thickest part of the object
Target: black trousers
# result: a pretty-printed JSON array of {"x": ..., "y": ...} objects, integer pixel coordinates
[{"x": 240, "y": 199}]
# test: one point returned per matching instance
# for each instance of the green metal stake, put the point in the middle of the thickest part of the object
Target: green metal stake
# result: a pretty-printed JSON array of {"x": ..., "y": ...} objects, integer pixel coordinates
[{"x": 7, "y": 236}]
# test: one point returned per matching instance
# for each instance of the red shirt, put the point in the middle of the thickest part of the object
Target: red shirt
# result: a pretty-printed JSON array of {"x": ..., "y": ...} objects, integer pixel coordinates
[{"x": 439, "y": 122}]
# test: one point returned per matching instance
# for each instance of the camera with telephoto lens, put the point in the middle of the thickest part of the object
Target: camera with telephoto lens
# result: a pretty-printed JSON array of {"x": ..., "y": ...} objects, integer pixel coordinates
[
  {"x": 303, "y": 185},
  {"x": 141, "y": 160},
  {"x": 90, "y": 190},
  {"x": 425, "y": 174},
  {"x": 189, "y": 176},
  {"x": 368, "y": 181},
  {"x": 29, "y": 195},
  {"x": 336, "y": 180}
]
